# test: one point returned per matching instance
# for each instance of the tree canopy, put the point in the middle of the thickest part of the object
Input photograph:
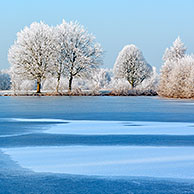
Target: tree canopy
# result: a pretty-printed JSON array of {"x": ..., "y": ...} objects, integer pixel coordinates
[{"x": 131, "y": 65}]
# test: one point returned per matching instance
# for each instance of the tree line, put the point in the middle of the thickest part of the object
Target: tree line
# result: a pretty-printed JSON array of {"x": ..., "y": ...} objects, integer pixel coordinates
[
  {"x": 59, "y": 56},
  {"x": 66, "y": 50}
]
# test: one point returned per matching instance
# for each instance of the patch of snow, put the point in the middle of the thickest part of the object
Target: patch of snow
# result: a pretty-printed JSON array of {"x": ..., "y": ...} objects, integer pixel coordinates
[
  {"x": 122, "y": 128},
  {"x": 37, "y": 120},
  {"x": 168, "y": 162}
]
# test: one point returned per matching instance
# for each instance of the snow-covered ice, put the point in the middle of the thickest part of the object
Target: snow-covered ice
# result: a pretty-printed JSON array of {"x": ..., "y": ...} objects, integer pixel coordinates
[
  {"x": 122, "y": 128},
  {"x": 37, "y": 120},
  {"x": 91, "y": 127},
  {"x": 169, "y": 162},
  {"x": 165, "y": 162}
]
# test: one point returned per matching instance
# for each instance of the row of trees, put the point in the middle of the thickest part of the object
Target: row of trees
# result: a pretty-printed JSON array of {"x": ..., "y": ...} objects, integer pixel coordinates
[
  {"x": 55, "y": 56},
  {"x": 41, "y": 51}
]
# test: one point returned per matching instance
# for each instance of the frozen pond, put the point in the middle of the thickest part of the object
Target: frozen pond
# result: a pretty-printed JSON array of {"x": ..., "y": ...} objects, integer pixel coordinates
[{"x": 81, "y": 138}]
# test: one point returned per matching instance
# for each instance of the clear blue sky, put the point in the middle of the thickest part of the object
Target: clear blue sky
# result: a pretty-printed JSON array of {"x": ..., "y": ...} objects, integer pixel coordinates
[{"x": 152, "y": 25}]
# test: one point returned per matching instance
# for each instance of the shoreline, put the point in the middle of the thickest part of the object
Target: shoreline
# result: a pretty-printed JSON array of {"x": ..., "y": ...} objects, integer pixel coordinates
[{"x": 75, "y": 93}]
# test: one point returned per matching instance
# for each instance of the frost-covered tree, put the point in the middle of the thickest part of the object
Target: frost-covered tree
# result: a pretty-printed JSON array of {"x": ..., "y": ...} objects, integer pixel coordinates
[
  {"x": 100, "y": 79},
  {"x": 78, "y": 53},
  {"x": 171, "y": 57},
  {"x": 20, "y": 83},
  {"x": 175, "y": 52},
  {"x": 180, "y": 79},
  {"x": 119, "y": 86},
  {"x": 32, "y": 53},
  {"x": 131, "y": 65},
  {"x": 151, "y": 83},
  {"x": 60, "y": 35}
]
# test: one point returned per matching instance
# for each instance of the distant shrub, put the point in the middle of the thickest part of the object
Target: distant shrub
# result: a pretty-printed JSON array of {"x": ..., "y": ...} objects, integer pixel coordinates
[{"x": 5, "y": 81}]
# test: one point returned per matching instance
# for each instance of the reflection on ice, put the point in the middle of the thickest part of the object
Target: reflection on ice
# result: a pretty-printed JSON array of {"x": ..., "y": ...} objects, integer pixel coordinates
[{"x": 172, "y": 162}]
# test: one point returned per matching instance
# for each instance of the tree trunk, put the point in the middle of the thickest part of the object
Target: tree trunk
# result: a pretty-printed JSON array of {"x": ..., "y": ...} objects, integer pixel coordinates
[
  {"x": 70, "y": 83},
  {"x": 131, "y": 83},
  {"x": 38, "y": 87}
]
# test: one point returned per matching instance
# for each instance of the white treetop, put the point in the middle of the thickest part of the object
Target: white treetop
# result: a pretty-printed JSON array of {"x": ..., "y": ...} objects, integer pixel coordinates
[
  {"x": 175, "y": 52},
  {"x": 78, "y": 53},
  {"x": 131, "y": 65},
  {"x": 33, "y": 52}
]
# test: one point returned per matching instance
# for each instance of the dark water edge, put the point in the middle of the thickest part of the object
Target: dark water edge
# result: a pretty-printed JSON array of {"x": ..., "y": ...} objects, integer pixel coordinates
[
  {"x": 61, "y": 184},
  {"x": 96, "y": 140}
]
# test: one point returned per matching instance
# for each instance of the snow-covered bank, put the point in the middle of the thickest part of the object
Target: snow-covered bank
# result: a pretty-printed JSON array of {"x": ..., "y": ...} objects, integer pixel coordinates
[{"x": 168, "y": 162}]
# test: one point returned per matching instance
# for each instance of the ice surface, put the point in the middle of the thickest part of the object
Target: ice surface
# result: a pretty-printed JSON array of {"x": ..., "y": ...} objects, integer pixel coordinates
[
  {"x": 89, "y": 127},
  {"x": 37, "y": 120},
  {"x": 169, "y": 162},
  {"x": 122, "y": 128}
]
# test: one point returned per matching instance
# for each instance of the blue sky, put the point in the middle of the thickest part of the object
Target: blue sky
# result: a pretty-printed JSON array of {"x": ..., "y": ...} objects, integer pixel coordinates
[{"x": 152, "y": 25}]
